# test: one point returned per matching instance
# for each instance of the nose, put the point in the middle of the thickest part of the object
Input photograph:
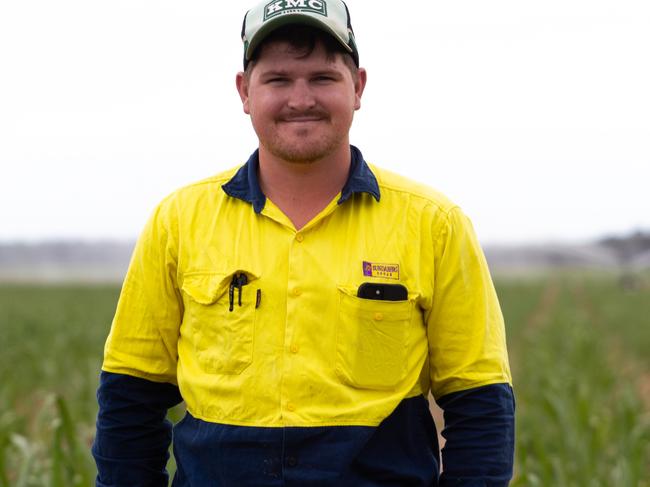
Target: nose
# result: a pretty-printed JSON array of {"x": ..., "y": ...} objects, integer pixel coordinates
[{"x": 301, "y": 96}]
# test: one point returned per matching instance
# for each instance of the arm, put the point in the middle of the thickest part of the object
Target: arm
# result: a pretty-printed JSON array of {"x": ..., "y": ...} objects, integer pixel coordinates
[
  {"x": 479, "y": 433},
  {"x": 138, "y": 382},
  {"x": 470, "y": 374},
  {"x": 133, "y": 436}
]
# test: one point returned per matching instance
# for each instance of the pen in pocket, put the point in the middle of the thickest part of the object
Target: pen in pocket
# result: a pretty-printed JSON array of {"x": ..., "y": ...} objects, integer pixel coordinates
[{"x": 237, "y": 282}]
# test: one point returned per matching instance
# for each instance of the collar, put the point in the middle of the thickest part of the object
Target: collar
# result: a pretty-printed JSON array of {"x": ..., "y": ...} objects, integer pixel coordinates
[{"x": 245, "y": 185}]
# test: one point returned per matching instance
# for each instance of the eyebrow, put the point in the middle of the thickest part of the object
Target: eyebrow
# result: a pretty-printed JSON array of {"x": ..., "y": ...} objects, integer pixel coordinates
[
  {"x": 274, "y": 72},
  {"x": 328, "y": 72}
]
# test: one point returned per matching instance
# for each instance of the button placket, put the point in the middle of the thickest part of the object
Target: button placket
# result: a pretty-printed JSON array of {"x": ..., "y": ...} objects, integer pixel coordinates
[{"x": 295, "y": 307}]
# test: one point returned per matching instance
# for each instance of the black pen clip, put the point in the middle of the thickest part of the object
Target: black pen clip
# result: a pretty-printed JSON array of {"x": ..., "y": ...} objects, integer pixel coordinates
[{"x": 238, "y": 281}]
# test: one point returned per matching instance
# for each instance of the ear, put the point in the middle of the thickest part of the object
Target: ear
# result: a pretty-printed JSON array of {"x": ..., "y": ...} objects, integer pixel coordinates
[
  {"x": 242, "y": 88},
  {"x": 359, "y": 86}
]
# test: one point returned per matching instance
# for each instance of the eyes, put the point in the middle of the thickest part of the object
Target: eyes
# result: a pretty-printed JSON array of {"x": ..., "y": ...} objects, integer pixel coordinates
[
  {"x": 325, "y": 79},
  {"x": 276, "y": 81}
]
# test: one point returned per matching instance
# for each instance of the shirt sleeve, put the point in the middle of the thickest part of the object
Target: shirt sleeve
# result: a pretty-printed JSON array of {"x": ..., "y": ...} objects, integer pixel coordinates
[
  {"x": 480, "y": 437},
  {"x": 469, "y": 369},
  {"x": 465, "y": 328},
  {"x": 144, "y": 333},
  {"x": 132, "y": 440},
  {"x": 138, "y": 383}
]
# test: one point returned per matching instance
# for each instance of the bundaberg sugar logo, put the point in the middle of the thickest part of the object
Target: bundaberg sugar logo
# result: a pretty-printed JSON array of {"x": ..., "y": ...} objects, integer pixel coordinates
[
  {"x": 279, "y": 7},
  {"x": 387, "y": 271}
]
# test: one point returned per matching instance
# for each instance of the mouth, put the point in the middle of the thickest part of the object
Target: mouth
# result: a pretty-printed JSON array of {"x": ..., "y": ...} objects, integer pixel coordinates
[
  {"x": 305, "y": 117},
  {"x": 302, "y": 119}
]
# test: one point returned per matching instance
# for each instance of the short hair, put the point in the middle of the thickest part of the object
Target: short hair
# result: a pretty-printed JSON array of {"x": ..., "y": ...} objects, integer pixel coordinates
[{"x": 304, "y": 39}]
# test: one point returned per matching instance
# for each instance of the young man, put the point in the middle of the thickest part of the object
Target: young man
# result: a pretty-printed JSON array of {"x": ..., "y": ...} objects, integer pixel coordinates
[{"x": 304, "y": 305}]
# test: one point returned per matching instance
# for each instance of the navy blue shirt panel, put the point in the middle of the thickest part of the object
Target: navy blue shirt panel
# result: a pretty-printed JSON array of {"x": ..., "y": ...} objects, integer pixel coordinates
[
  {"x": 402, "y": 451},
  {"x": 133, "y": 437},
  {"x": 132, "y": 441},
  {"x": 480, "y": 437}
]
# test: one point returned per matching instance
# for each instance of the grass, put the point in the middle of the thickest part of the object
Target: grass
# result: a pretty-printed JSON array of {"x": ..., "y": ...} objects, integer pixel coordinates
[
  {"x": 51, "y": 350},
  {"x": 578, "y": 347},
  {"x": 583, "y": 416}
]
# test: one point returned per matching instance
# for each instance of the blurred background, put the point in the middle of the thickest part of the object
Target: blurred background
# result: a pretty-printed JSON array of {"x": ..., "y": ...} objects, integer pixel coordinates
[{"x": 532, "y": 116}]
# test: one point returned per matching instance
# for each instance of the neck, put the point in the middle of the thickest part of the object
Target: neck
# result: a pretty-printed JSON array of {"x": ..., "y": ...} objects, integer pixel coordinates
[{"x": 302, "y": 190}]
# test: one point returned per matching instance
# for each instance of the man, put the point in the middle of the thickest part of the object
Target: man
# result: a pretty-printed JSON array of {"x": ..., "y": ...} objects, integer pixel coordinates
[{"x": 304, "y": 305}]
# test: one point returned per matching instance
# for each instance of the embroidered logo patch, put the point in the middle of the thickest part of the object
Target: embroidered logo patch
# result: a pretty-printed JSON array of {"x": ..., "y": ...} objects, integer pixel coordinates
[
  {"x": 287, "y": 6},
  {"x": 387, "y": 271}
]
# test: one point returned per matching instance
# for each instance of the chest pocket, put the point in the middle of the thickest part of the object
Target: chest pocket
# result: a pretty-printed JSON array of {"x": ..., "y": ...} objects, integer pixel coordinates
[
  {"x": 223, "y": 339},
  {"x": 372, "y": 340}
]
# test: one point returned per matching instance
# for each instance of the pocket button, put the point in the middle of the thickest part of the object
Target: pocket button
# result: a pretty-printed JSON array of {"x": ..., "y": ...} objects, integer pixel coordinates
[{"x": 379, "y": 316}]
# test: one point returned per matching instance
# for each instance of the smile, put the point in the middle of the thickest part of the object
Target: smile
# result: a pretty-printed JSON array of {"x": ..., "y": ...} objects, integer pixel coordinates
[{"x": 302, "y": 119}]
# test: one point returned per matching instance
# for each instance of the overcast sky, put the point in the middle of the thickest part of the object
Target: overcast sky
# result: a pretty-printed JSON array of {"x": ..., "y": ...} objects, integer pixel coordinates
[{"x": 533, "y": 116}]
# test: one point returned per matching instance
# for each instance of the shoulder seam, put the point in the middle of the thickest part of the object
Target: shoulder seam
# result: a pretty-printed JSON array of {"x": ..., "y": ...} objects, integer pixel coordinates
[
  {"x": 216, "y": 179},
  {"x": 431, "y": 201},
  {"x": 209, "y": 180}
]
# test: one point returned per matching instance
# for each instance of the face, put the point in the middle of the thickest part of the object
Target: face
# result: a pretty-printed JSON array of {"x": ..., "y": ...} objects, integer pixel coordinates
[{"x": 301, "y": 107}]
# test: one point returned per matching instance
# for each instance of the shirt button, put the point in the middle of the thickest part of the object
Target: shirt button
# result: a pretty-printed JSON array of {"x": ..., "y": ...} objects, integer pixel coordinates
[
  {"x": 379, "y": 316},
  {"x": 297, "y": 291},
  {"x": 300, "y": 237},
  {"x": 291, "y": 407},
  {"x": 294, "y": 348},
  {"x": 292, "y": 461}
]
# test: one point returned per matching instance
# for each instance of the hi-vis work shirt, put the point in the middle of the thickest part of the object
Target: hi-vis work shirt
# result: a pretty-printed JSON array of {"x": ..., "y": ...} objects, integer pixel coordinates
[{"x": 289, "y": 377}]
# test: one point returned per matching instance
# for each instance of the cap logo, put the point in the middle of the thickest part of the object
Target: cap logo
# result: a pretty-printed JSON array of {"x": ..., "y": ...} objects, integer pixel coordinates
[{"x": 279, "y": 7}]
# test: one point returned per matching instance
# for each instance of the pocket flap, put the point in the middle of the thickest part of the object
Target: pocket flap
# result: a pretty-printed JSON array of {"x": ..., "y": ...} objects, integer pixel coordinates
[{"x": 208, "y": 287}]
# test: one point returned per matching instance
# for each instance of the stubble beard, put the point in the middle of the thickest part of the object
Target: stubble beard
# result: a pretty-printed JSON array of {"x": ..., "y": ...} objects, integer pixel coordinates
[
  {"x": 301, "y": 147},
  {"x": 306, "y": 152}
]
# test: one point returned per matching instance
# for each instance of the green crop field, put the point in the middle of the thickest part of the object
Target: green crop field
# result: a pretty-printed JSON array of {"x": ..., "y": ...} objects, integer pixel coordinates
[{"x": 579, "y": 349}]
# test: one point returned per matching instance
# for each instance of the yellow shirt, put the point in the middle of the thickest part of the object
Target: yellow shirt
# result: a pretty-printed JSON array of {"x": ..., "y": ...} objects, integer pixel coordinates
[{"x": 302, "y": 349}]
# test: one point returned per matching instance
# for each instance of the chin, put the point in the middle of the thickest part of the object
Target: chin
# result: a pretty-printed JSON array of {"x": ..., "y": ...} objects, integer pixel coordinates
[
  {"x": 304, "y": 152},
  {"x": 300, "y": 156}
]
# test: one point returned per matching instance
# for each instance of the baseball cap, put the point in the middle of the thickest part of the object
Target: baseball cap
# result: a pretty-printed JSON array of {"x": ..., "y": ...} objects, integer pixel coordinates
[{"x": 331, "y": 16}]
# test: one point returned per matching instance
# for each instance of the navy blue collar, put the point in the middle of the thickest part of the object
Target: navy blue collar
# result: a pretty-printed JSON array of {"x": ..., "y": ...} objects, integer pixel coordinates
[{"x": 245, "y": 186}]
